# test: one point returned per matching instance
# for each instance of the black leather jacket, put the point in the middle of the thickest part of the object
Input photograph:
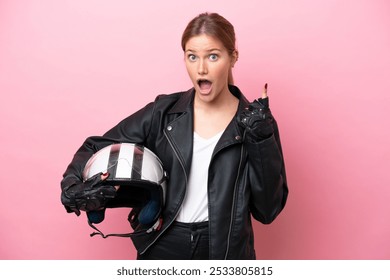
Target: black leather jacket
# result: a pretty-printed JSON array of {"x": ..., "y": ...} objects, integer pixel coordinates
[{"x": 244, "y": 178}]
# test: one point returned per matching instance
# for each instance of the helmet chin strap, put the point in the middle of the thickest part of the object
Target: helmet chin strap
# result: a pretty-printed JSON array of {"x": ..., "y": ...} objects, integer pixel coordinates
[{"x": 156, "y": 226}]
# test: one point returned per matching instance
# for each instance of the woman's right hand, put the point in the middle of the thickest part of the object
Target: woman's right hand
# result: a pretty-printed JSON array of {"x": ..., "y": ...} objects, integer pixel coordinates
[
  {"x": 89, "y": 195},
  {"x": 104, "y": 176}
]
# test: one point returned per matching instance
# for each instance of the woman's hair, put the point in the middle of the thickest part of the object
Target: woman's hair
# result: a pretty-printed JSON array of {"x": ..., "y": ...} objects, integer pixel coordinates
[{"x": 214, "y": 25}]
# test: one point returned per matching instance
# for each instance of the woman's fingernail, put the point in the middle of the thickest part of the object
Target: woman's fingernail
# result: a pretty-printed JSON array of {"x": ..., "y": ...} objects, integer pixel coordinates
[{"x": 265, "y": 87}]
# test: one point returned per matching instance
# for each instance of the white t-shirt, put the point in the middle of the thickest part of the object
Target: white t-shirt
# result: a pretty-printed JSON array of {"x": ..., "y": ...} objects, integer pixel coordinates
[{"x": 195, "y": 205}]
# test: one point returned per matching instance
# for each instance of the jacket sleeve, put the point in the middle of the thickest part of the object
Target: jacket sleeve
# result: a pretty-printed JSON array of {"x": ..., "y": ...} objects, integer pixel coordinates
[
  {"x": 267, "y": 177},
  {"x": 133, "y": 129}
]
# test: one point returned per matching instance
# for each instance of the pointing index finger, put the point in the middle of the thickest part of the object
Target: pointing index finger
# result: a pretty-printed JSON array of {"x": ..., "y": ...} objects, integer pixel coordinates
[{"x": 264, "y": 95}]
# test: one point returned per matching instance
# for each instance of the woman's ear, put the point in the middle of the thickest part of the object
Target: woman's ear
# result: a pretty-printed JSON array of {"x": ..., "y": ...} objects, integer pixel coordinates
[{"x": 234, "y": 57}]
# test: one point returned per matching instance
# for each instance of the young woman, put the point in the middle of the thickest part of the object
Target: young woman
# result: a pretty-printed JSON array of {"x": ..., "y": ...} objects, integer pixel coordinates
[{"x": 222, "y": 153}]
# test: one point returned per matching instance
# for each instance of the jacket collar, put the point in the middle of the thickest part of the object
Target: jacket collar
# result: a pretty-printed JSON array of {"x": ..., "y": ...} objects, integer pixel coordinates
[{"x": 185, "y": 102}]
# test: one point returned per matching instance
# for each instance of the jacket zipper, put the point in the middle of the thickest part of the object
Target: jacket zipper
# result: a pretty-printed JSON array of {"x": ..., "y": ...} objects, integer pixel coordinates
[
  {"x": 186, "y": 180},
  {"x": 234, "y": 203}
]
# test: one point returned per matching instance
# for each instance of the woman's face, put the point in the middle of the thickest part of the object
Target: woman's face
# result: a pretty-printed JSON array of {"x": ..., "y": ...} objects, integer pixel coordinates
[{"x": 208, "y": 64}]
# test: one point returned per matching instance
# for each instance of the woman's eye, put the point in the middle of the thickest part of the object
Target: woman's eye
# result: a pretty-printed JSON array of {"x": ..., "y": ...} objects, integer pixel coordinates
[
  {"x": 191, "y": 57},
  {"x": 213, "y": 57}
]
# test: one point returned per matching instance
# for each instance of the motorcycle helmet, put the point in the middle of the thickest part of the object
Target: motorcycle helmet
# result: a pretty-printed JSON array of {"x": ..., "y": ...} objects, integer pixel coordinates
[{"x": 140, "y": 176}]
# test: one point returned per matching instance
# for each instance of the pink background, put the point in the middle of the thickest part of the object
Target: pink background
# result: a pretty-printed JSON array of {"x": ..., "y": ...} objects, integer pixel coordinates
[{"x": 71, "y": 69}]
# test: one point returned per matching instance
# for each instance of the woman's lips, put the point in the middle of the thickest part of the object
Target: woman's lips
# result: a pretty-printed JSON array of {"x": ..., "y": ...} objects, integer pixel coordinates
[{"x": 205, "y": 86}]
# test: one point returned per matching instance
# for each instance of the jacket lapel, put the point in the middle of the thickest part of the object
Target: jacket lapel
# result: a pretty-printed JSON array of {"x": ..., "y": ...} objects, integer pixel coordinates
[
  {"x": 180, "y": 126},
  {"x": 233, "y": 133}
]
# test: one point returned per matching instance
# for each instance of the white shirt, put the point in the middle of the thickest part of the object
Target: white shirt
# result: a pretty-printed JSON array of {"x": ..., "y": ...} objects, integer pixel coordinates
[{"x": 195, "y": 205}]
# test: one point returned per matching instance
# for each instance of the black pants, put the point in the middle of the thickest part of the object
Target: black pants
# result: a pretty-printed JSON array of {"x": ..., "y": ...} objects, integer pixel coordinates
[{"x": 182, "y": 241}]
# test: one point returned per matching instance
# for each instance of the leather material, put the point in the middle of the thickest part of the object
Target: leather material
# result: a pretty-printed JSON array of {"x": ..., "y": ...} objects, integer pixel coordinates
[
  {"x": 90, "y": 195},
  {"x": 246, "y": 178},
  {"x": 257, "y": 120}
]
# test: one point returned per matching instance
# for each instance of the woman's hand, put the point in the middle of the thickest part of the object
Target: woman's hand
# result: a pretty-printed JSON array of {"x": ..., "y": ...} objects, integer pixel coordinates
[
  {"x": 104, "y": 176},
  {"x": 89, "y": 195},
  {"x": 257, "y": 118}
]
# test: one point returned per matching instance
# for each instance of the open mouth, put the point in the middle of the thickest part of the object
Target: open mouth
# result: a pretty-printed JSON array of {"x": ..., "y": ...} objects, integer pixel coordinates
[{"x": 204, "y": 85}]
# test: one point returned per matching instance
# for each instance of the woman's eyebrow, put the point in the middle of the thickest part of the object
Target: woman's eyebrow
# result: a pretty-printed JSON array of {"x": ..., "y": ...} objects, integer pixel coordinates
[
  {"x": 209, "y": 50},
  {"x": 214, "y": 49}
]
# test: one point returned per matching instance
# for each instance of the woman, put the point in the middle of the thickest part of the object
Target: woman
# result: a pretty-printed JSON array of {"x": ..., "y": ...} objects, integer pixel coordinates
[{"x": 222, "y": 154}]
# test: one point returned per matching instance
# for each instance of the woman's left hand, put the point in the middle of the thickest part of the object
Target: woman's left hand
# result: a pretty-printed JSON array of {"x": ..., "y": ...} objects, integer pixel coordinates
[{"x": 257, "y": 118}]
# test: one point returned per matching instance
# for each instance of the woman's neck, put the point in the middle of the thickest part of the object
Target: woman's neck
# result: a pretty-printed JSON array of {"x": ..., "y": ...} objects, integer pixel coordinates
[{"x": 211, "y": 118}]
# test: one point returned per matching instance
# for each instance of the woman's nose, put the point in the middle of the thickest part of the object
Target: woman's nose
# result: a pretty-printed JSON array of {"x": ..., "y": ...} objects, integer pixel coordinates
[{"x": 202, "y": 67}]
